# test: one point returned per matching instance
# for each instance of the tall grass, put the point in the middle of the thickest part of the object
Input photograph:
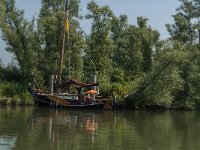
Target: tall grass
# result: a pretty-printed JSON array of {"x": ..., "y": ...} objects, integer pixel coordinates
[{"x": 14, "y": 94}]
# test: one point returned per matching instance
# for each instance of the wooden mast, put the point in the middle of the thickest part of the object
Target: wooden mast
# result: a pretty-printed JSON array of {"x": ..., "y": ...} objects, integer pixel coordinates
[{"x": 63, "y": 41}]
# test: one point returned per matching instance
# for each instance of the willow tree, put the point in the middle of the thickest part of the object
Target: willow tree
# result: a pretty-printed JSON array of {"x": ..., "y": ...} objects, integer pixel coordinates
[
  {"x": 21, "y": 38},
  {"x": 36, "y": 48}
]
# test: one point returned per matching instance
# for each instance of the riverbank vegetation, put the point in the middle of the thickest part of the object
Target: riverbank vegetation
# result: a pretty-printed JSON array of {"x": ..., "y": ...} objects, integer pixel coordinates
[
  {"x": 131, "y": 61},
  {"x": 13, "y": 91}
]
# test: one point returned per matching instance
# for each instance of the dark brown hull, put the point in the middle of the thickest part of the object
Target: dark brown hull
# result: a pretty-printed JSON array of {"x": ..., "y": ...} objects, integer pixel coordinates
[{"x": 42, "y": 100}]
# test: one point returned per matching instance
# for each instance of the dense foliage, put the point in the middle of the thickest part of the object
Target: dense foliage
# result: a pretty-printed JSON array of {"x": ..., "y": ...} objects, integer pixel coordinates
[{"x": 131, "y": 62}]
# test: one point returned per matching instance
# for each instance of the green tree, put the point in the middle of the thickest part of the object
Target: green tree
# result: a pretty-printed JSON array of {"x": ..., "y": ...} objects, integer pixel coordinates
[
  {"x": 21, "y": 38},
  {"x": 133, "y": 45},
  {"x": 196, "y": 20},
  {"x": 36, "y": 48},
  {"x": 183, "y": 29},
  {"x": 133, "y": 53},
  {"x": 2, "y": 9},
  {"x": 120, "y": 41},
  {"x": 149, "y": 39},
  {"x": 127, "y": 55},
  {"x": 186, "y": 30},
  {"x": 50, "y": 26},
  {"x": 98, "y": 55},
  {"x": 159, "y": 87}
]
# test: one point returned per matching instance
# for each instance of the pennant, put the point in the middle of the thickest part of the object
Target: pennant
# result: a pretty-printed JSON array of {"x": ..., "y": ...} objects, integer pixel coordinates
[{"x": 67, "y": 25}]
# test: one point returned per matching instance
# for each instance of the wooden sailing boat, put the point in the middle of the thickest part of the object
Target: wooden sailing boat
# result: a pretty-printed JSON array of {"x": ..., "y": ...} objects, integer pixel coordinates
[{"x": 68, "y": 100}]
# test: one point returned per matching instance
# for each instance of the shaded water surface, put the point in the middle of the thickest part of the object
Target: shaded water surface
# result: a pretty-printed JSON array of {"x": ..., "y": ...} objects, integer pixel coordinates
[{"x": 51, "y": 129}]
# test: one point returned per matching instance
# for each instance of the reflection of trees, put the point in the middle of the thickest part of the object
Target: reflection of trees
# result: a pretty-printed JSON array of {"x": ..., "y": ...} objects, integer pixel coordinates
[
  {"x": 77, "y": 129},
  {"x": 161, "y": 130},
  {"x": 72, "y": 129},
  {"x": 13, "y": 122}
]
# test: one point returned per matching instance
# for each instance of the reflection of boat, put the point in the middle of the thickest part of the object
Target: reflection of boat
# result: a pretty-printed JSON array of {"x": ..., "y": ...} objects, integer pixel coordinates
[
  {"x": 63, "y": 99},
  {"x": 74, "y": 126},
  {"x": 91, "y": 125}
]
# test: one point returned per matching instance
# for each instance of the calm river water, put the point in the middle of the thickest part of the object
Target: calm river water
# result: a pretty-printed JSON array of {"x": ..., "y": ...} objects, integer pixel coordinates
[{"x": 50, "y": 129}]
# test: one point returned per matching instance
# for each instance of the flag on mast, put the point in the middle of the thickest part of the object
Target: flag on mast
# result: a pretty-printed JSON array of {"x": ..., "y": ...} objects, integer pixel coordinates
[{"x": 67, "y": 25}]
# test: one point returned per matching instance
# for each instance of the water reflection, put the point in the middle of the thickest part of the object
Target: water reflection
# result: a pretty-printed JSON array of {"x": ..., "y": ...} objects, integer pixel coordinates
[
  {"x": 46, "y": 129},
  {"x": 7, "y": 142},
  {"x": 69, "y": 128}
]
